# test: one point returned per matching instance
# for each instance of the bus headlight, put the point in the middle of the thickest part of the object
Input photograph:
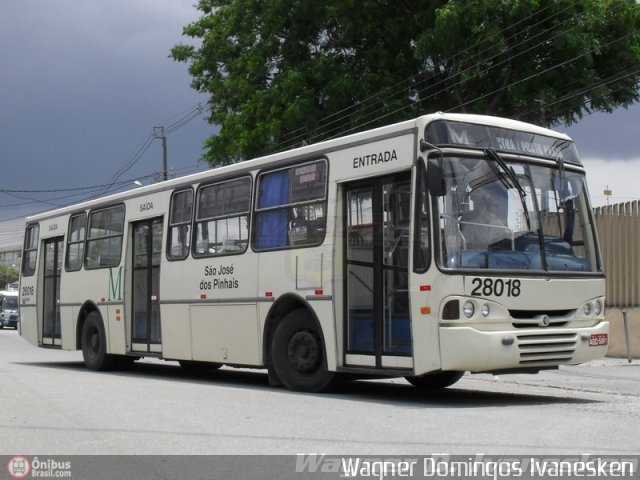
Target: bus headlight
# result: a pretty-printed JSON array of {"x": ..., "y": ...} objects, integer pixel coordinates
[
  {"x": 597, "y": 309},
  {"x": 468, "y": 309},
  {"x": 586, "y": 309},
  {"x": 485, "y": 310}
]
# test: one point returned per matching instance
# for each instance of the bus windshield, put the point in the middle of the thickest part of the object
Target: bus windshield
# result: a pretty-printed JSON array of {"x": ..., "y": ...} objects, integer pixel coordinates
[{"x": 499, "y": 214}]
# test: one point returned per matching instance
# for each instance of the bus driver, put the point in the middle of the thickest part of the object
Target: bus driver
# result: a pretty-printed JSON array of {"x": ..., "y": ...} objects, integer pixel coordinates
[{"x": 486, "y": 223}]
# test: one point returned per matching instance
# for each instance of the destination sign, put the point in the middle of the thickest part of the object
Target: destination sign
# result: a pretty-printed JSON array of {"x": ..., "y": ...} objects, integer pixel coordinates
[{"x": 448, "y": 133}]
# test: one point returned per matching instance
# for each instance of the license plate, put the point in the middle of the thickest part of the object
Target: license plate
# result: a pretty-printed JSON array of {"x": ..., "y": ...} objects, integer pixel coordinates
[{"x": 598, "y": 340}]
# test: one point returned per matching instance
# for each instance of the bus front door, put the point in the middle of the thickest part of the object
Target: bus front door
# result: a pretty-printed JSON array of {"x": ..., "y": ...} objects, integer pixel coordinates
[
  {"x": 51, "y": 332},
  {"x": 145, "y": 295},
  {"x": 377, "y": 222}
]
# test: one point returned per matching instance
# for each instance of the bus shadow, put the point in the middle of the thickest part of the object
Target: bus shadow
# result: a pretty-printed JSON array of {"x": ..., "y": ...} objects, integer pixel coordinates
[
  {"x": 370, "y": 391},
  {"x": 453, "y": 397}
]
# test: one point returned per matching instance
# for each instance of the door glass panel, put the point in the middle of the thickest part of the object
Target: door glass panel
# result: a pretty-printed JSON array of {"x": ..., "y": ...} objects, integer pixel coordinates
[
  {"x": 396, "y": 199},
  {"x": 155, "y": 306},
  {"x": 140, "y": 246},
  {"x": 156, "y": 243},
  {"x": 360, "y": 225},
  {"x": 361, "y": 309},
  {"x": 397, "y": 327},
  {"x": 140, "y": 293},
  {"x": 396, "y": 203},
  {"x": 155, "y": 281}
]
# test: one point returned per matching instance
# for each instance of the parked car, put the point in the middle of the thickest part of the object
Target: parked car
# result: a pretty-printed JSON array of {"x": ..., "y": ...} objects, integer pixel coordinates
[{"x": 9, "y": 310}]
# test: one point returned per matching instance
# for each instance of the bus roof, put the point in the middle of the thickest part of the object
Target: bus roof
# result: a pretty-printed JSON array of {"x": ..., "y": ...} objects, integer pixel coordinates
[{"x": 300, "y": 153}]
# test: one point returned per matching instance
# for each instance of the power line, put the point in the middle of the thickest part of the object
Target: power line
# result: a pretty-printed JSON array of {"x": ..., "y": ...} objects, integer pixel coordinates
[{"x": 182, "y": 121}]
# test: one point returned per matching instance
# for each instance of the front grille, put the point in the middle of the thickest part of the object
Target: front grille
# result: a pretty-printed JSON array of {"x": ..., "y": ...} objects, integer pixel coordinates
[
  {"x": 523, "y": 314},
  {"x": 546, "y": 349},
  {"x": 536, "y": 318}
]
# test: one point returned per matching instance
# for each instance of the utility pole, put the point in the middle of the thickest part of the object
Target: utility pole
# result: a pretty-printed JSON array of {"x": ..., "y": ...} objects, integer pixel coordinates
[{"x": 158, "y": 132}]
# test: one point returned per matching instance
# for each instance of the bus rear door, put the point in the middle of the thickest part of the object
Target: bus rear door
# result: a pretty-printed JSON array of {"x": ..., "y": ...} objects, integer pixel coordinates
[
  {"x": 51, "y": 328},
  {"x": 145, "y": 284}
]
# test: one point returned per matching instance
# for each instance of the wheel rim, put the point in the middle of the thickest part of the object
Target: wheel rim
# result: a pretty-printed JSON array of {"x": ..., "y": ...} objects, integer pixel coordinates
[{"x": 304, "y": 352}]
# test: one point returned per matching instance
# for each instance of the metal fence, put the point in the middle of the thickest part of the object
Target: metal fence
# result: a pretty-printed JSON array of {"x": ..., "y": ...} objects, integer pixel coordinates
[{"x": 618, "y": 229}]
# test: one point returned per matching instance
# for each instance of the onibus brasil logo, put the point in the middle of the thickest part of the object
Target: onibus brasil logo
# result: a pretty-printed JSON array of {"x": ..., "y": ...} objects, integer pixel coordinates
[{"x": 19, "y": 467}]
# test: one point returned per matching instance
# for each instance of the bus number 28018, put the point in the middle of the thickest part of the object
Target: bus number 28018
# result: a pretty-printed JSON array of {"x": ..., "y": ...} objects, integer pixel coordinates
[{"x": 489, "y": 287}]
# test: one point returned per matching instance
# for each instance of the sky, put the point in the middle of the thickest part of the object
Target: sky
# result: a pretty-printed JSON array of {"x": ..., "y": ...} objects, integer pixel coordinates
[{"x": 83, "y": 83}]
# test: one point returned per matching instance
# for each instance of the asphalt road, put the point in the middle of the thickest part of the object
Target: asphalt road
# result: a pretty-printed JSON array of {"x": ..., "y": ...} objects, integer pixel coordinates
[{"x": 50, "y": 404}]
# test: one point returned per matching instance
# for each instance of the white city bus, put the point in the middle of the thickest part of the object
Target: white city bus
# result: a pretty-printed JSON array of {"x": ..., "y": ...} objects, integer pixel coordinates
[{"x": 424, "y": 249}]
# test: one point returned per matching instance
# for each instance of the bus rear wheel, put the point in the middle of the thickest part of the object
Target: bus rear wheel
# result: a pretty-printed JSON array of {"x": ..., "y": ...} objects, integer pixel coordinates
[
  {"x": 297, "y": 354},
  {"x": 94, "y": 344},
  {"x": 435, "y": 380}
]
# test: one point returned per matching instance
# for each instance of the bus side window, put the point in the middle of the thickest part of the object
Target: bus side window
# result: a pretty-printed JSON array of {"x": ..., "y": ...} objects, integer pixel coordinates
[
  {"x": 75, "y": 242},
  {"x": 222, "y": 218},
  {"x": 30, "y": 253},
  {"x": 291, "y": 207},
  {"x": 104, "y": 240},
  {"x": 179, "y": 239}
]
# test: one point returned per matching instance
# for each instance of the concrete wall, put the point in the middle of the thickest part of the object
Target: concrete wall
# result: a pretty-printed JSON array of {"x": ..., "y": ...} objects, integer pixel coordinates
[
  {"x": 617, "y": 341},
  {"x": 618, "y": 229}
]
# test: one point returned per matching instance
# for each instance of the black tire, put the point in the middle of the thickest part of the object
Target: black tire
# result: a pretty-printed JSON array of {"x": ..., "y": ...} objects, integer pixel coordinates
[
  {"x": 94, "y": 344},
  {"x": 298, "y": 356},
  {"x": 195, "y": 366},
  {"x": 435, "y": 380}
]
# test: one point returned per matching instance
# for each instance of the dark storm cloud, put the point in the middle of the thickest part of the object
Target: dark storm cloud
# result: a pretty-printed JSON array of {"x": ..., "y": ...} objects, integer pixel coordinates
[
  {"x": 82, "y": 84},
  {"x": 613, "y": 136}
]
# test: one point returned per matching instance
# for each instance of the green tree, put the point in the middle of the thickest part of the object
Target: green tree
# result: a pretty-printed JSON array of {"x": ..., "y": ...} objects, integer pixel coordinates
[
  {"x": 8, "y": 275},
  {"x": 542, "y": 61},
  {"x": 282, "y": 73}
]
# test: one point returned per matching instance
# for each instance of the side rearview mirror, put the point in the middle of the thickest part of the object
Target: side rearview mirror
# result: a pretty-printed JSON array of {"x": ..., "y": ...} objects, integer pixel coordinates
[{"x": 435, "y": 179}]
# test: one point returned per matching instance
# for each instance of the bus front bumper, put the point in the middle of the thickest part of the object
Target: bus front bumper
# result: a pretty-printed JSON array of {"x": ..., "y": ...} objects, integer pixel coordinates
[{"x": 468, "y": 349}]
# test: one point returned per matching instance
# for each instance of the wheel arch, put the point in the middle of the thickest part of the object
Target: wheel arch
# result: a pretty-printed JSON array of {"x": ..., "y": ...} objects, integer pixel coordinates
[{"x": 284, "y": 305}]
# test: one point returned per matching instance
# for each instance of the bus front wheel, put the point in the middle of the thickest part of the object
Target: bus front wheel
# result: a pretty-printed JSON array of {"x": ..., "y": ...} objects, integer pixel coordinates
[
  {"x": 435, "y": 380},
  {"x": 94, "y": 344},
  {"x": 297, "y": 354}
]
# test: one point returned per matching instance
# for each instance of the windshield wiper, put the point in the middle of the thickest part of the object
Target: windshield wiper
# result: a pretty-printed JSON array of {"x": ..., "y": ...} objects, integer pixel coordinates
[
  {"x": 515, "y": 182},
  {"x": 508, "y": 171}
]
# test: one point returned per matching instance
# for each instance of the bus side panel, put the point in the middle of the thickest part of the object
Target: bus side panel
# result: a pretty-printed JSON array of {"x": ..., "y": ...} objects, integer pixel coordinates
[
  {"x": 225, "y": 333},
  {"x": 29, "y": 324},
  {"x": 324, "y": 312},
  {"x": 176, "y": 331},
  {"x": 115, "y": 328},
  {"x": 428, "y": 356},
  {"x": 68, "y": 316}
]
